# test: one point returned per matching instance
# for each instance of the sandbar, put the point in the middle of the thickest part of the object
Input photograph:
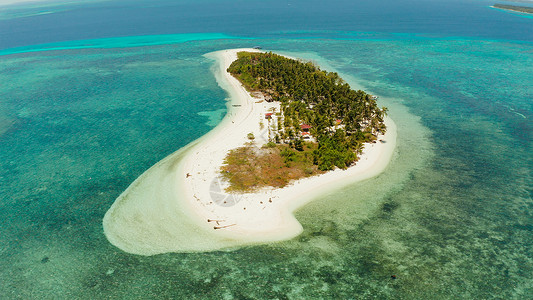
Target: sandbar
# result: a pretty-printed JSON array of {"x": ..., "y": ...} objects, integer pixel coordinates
[{"x": 180, "y": 205}]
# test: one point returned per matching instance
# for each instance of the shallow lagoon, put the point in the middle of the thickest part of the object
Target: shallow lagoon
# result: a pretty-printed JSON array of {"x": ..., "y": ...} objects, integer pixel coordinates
[{"x": 451, "y": 217}]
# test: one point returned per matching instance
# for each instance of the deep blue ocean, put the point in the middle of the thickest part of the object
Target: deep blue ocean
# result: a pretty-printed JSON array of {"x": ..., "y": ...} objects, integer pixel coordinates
[{"x": 94, "y": 93}]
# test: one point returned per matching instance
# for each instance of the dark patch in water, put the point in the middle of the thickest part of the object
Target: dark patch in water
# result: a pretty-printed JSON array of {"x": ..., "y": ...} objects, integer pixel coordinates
[
  {"x": 328, "y": 274},
  {"x": 388, "y": 208}
]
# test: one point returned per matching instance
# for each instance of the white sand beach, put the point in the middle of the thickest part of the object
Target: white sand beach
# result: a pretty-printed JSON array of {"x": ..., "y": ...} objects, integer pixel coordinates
[{"x": 179, "y": 205}]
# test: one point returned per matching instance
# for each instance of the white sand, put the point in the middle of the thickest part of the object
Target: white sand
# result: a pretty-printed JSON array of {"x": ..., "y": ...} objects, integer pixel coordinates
[{"x": 165, "y": 210}]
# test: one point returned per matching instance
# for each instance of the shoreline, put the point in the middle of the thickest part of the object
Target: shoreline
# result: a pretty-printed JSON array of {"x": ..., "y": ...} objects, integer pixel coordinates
[
  {"x": 194, "y": 200},
  {"x": 527, "y": 10}
]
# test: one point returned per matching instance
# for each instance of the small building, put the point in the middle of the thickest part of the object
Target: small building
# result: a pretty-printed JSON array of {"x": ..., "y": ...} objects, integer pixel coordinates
[
  {"x": 268, "y": 116},
  {"x": 338, "y": 122},
  {"x": 306, "y": 135},
  {"x": 305, "y": 127}
]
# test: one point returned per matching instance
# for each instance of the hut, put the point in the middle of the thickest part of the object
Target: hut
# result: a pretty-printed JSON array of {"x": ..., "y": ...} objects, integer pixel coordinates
[
  {"x": 306, "y": 135},
  {"x": 305, "y": 127}
]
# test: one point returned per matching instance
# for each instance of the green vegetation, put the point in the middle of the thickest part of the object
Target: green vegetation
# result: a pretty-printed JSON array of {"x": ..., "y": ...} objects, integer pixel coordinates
[
  {"x": 315, "y": 105},
  {"x": 523, "y": 9}
]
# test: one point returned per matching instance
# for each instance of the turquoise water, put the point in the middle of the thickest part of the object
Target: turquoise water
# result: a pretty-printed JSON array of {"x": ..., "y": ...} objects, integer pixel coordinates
[
  {"x": 123, "y": 42},
  {"x": 451, "y": 217}
]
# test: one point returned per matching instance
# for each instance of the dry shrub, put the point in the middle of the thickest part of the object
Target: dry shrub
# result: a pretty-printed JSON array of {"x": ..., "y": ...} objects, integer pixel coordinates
[{"x": 248, "y": 168}]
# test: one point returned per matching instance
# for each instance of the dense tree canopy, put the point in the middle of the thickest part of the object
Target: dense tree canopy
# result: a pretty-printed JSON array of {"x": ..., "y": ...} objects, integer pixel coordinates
[{"x": 312, "y": 96}]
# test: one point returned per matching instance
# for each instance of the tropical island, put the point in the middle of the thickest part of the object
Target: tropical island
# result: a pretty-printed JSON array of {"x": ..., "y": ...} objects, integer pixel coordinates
[
  {"x": 292, "y": 133},
  {"x": 317, "y": 122},
  {"x": 522, "y": 9}
]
